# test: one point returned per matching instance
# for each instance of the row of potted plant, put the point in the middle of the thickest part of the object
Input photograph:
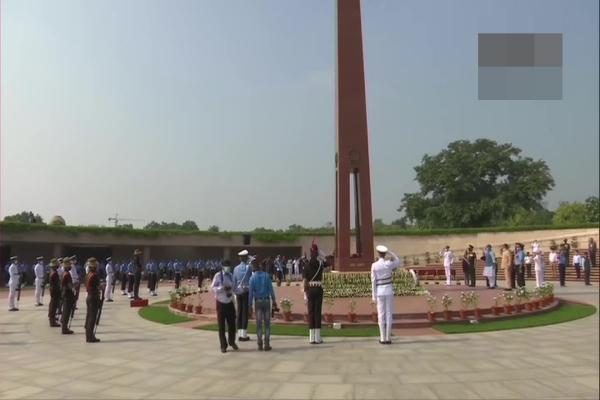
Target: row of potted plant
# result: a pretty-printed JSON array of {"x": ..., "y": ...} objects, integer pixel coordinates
[
  {"x": 359, "y": 284},
  {"x": 542, "y": 296},
  {"x": 425, "y": 278}
]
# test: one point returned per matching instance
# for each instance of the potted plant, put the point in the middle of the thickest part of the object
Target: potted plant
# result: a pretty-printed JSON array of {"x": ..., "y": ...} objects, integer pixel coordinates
[
  {"x": 458, "y": 280},
  {"x": 198, "y": 304},
  {"x": 526, "y": 298},
  {"x": 416, "y": 261},
  {"x": 374, "y": 313},
  {"x": 432, "y": 301},
  {"x": 518, "y": 300},
  {"x": 436, "y": 280},
  {"x": 405, "y": 261},
  {"x": 288, "y": 282},
  {"x": 427, "y": 258},
  {"x": 352, "y": 311},
  {"x": 426, "y": 278},
  {"x": 173, "y": 295},
  {"x": 549, "y": 291},
  {"x": 329, "y": 301},
  {"x": 182, "y": 304},
  {"x": 464, "y": 304},
  {"x": 508, "y": 299},
  {"x": 474, "y": 302},
  {"x": 286, "y": 309},
  {"x": 496, "y": 308},
  {"x": 536, "y": 298},
  {"x": 446, "y": 303}
]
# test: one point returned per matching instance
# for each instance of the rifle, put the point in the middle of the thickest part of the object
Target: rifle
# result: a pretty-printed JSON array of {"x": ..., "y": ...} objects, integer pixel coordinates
[
  {"x": 72, "y": 311},
  {"x": 99, "y": 314},
  {"x": 19, "y": 290}
]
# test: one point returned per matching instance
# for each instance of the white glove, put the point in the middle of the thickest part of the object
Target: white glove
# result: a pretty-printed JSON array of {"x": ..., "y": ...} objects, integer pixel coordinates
[{"x": 305, "y": 298}]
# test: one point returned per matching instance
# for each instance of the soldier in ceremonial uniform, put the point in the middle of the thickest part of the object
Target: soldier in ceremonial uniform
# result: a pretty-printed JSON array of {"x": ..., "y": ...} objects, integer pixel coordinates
[
  {"x": 241, "y": 275},
  {"x": 39, "y": 272},
  {"x": 68, "y": 294},
  {"x": 92, "y": 301},
  {"x": 55, "y": 294},
  {"x": 152, "y": 271},
  {"x": 110, "y": 280},
  {"x": 178, "y": 267},
  {"x": 130, "y": 278},
  {"x": 471, "y": 260},
  {"x": 137, "y": 262},
  {"x": 313, "y": 293},
  {"x": 383, "y": 291},
  {"x": 14, "y": 282},
  {"x": 223, "y": 285}
]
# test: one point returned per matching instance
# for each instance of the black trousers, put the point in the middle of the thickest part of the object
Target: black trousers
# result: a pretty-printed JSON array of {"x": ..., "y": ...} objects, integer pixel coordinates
[
  {"x": 67, "y": 307},
  {"x": 152, "y": 279},
  {"x": 528, "y": 270},
  {"x": 279, "y": 275},
  {"x": 123, "y": 278},
  {"x": 170, "y": 274},
  {"x": 520, "y": 278},
  {"x": 586, "y": 276},
  {"x": 513, "y": 276},
  {"x": 577, "y": 270},
  {"x": 593, "y": 259},
  {"x": 177, "y": 280},
  {"x": 93, "y": 305},
  {"x": 562, "y": 273},
  {"x": 130, "y": 282},
  {"x": 314, "y": 306},
  {"x": 136, "y": 284},
  {"x": 472, "y": 277},
  {"x": 242, "y": 310},
  {"x": 226, "y": 315},
  {"x": 200, "y": 278},
  {"x": 53, "y": 307}
]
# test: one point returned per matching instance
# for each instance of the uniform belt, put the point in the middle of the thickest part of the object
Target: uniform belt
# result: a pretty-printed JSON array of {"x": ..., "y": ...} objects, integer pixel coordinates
[
  {"x": 315, "y": 283},
  {"x": 383, "y": 282},
  {"x": 263, "y": 298}
]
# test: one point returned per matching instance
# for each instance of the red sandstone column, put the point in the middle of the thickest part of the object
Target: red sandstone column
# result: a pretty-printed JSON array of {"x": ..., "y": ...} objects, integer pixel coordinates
[{"x": 352, "y": 142}]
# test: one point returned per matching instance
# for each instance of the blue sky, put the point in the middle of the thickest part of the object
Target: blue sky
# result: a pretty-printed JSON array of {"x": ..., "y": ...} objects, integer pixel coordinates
[{"x": 223, "y": 112}]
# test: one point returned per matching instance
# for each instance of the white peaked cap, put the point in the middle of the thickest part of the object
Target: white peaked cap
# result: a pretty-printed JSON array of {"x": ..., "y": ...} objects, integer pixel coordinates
[
  {"x": 381, "y": 249},
  {"x": 243, "y": 253}
]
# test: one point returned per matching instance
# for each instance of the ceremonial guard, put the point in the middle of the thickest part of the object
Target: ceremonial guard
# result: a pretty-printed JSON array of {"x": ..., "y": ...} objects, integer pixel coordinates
[
  {"x": 222, "y": 285},
  {"x": 241, "y": 277},
  {"x": 448, "y": 258},
  {"x": 39, "y": 272},
  {"x": 123, "y": 274},
  {"x": 130, "y": 278},
  {"x": 92, "y": 301},
  {"x": 68, "y": 296},
  {"x": 152, "y": 278},
  {"x": 110, "y": 280},
  {"x": 14, "y": 283},
  {"x": 471, "y": 260},
  {"x": 383, "y": 291},
  {"x": 178, "y": 267},
  {"x": 137, "y": 261},
  {"x": 55, "y": 295},
  {"x": 313, "y": 293}
]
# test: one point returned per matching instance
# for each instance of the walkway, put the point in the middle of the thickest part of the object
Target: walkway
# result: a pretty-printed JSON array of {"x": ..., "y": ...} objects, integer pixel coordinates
[{"x": 138, "y": 359}]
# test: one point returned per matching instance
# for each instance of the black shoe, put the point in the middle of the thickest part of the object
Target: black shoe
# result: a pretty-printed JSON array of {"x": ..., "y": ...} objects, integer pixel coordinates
[
  {"x": 223, "y": 350},
  {"x": 93, "y": 340},
  {"x": 260, "y": 346},
  {"x": 110, "y": 300},
  {"x": 388, "y": 342},
  {"x": 14, "y": 309},
  {"x": 381, "y": 342},
  {"x": 138, "y": 298},
  {"x": 268, "y": 347},
  {"x": 38, "y": 304},
  {"x": 67, "y": 332},
  {"x": 234, "y": 346}
]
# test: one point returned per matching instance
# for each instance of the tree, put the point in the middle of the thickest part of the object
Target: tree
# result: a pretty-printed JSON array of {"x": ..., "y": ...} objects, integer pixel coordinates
[
  {"x": 23, "y": 217},
  {"x": 530, "y": 218},
  {"x": 475, "y": 184},
  {"x": 173, "y": 226},
  {"x": 126, "y": 226},
  {"x": 570, "y": 213},
  {"x": 189, "y": 226},
  {"x": 213, "y": 228},
  {"x": 592, "y": 208}
]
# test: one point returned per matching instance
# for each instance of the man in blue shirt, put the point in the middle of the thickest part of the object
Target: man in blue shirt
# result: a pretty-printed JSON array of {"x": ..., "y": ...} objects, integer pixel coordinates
[
  {"x": 562, "y": 265},
  {"x": 241, "y": 277},
  {"x": 130, "y": 278},
  {"x": 152, "y": 269},
  {"x": 178, "y": 267},
  {"x": 261, "y": 294},
  {"x": 520, "y": 266}
]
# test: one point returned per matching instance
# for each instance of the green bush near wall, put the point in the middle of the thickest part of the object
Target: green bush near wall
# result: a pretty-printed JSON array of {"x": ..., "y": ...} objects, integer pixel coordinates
[{"x": 265, "y": 237}]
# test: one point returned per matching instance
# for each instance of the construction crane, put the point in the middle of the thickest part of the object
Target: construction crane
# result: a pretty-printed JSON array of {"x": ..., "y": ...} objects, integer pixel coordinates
[{"x": 117, "y": 220}]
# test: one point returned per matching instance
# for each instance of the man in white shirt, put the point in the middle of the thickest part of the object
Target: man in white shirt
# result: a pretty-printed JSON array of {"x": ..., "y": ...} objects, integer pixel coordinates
[
  {"x": 39, "y": 272},
  {"x": 223, "y": 285},
  {"x": 448, "y": 258},
  {"x": 577, "y": 264},
  {"x": 538, "y": 266},
  {"x": 383, "y": 291},
  {"x": 13, "y": 283}
]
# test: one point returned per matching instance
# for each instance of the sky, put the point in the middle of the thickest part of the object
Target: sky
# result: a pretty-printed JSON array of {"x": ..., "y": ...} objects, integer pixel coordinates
[{"x": 223, "y": 111}]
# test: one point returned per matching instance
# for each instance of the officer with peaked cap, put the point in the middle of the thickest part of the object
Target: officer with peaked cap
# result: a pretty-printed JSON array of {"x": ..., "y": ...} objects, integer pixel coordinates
[
  {"x": 55, "y": 295},
  {"x": 383, "y": 291},
  {"x": 93, "y": 288},
  {"x": 13, "y": 283},
  {"x": 110, "y": 280},
  {"x": 39, "y": 272},
  {"x": 68, "y": 290},
  {"x": 241, "y": 275}
]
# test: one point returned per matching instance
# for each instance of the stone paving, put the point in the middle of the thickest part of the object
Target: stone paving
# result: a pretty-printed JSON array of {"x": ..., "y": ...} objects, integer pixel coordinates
[{"x": 138, "y": 359}]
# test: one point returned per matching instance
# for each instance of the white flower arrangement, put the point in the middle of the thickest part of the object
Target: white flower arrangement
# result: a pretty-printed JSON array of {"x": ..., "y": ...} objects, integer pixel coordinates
[
  {"x": 509, "y": 297},
  {"x": 446, "y": 302},
  {"x": 432, "y": 301},
  {"x": 286, "y": 305},
  {"x": 358, "y": 284},
  {"x": 473, "y": 299}
]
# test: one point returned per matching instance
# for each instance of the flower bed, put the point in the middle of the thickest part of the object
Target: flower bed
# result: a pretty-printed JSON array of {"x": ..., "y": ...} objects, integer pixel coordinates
[{"x": 358, "y": 284}]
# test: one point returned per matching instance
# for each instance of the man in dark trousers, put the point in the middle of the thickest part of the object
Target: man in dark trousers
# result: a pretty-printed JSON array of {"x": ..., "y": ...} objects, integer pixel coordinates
[
  {"x": 241, "y": 278},
  {"x": 471, "y": 260},
  {"x": 313, "y": 294},
  {"x": 93, "y": 287},
  {"x": 68, "y": 294},
  {"x": 54, "y": 282},
  {"x": 137, "y": 261},
  {"x": 222, "y": 285},
  {"x": 592, "y": 251}
]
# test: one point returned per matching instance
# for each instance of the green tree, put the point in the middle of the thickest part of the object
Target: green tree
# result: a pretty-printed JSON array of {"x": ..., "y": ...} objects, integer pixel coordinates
[
  {"x": 475, "y": 184},
  {"x": 213, "y": 228},
  {"x": 570, "y": 213},
  {"x": 23, "y": 217},
  {"x": 530, "y": 218},
  {"x": 592, "y": 208}
]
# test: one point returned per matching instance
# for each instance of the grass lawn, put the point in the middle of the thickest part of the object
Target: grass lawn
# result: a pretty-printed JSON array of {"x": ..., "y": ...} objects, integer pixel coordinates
[
  {"x": 292, "y": 330},
  {"x": 162, "y": 315},
  {"x": 566, "y": 313},
  {"x": 161, "y": 303}
]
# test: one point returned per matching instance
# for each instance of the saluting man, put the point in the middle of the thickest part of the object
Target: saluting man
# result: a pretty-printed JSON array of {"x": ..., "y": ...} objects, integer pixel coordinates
[
  {"x": 448, "y": 258},
  {"x": 313, "y": 293},
  {"x": 13, "y": 282},
  {"x": 92, "y": 301},
  {"x": 241, "y": 275},
  {"x": 110, "y": 280},
  {"x": 38, "y": 270},
  {"x": 55, "y": 295},
  {"x": 383, "y": 291}
]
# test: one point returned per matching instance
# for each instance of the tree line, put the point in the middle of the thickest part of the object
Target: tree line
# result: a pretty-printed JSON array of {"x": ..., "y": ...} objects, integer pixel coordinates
[{"x": 469, "y": 184}]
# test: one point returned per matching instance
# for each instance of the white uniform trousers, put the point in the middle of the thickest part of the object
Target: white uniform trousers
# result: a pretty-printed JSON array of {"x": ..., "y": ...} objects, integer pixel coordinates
[
  {"x": 385, "y": 311},
  {"x": 539, "y": 277},
  {"x": 12, "y": 293},
  {"x": 448, "y": 272},
  {"x": 108, "y": 294},
  {"x": 39, "y": 282}
]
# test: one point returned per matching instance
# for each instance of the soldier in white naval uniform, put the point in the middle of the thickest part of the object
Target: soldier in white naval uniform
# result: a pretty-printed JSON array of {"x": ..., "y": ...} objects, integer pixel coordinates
[
  {"x": 383, "y": 291},
  {"x": 110, "y": 280},
  {"x": 39, "y": 272},
  {"x": 13, "y": 282},
  {"x": 448, "y": 258}
]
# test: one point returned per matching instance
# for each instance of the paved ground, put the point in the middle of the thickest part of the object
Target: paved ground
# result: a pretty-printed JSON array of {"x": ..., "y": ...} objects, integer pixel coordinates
[{"x": 138, "y": 359}]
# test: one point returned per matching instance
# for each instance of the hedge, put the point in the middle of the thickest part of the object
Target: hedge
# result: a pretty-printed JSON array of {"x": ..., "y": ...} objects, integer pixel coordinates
[{"x": 267, "y": 237}]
